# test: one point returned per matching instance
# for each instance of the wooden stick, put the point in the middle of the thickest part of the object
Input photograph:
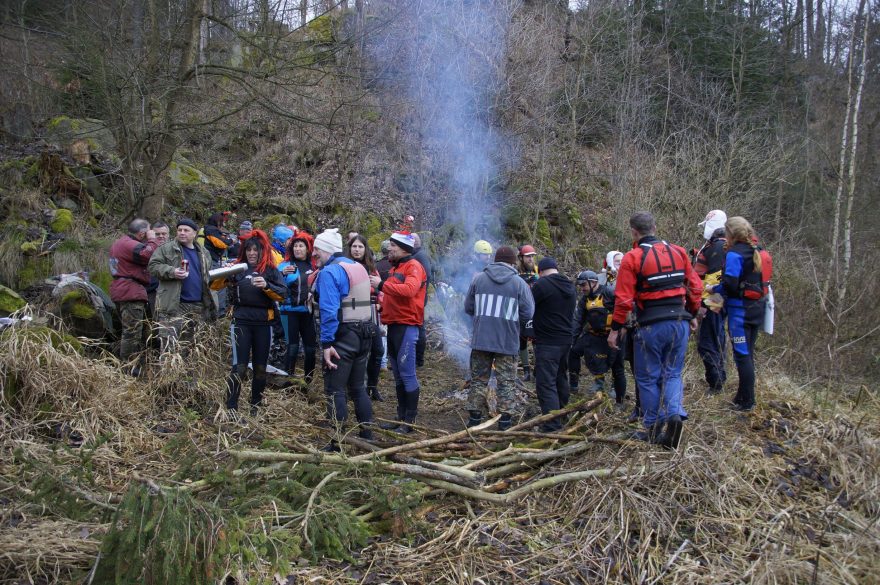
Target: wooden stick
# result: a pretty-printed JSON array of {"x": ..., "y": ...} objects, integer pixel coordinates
[
  {"x": 428, "y": 442},
  {"x": 519, "y": 493},
  {"x": 578, "y": 407}
]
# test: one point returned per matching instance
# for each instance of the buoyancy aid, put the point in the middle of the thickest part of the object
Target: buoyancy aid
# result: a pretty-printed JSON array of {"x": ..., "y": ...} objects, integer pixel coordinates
[
  {"x": 356, "y": 305},
  {"x": 710, "y": 264},
  {"x": 661, "y": 269},
  {"x": 598, "y": 315}
]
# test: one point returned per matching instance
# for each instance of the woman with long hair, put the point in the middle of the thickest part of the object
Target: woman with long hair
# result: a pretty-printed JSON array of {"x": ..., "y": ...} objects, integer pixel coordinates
[
  {"x": 358, "y": 249},
  {"x": 743, "y": 289},
  {"x": 252, "y": 294},
  {"x": 296, "y": 269}
]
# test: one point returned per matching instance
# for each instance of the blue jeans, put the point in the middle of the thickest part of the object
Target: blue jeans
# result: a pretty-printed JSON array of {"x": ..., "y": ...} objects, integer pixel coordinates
[{"x": 660, "y": 349}]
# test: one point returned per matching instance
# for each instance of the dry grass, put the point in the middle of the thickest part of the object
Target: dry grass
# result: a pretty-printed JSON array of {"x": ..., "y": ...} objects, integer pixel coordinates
[{"x": 789, "y": 494}]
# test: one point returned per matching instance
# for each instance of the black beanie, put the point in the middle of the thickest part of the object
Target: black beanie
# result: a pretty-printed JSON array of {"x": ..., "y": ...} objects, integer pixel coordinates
[
  {"x": 505, "y": 254},
  {"x": 187, "y": 222}
]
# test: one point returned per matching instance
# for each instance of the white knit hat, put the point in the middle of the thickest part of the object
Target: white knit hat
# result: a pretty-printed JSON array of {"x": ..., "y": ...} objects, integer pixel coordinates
[
  {"x": 329, "y": 241},
  {"x": 714, "y": 219}
]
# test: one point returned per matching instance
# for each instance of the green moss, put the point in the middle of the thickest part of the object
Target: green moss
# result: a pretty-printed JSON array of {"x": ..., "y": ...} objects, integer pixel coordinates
[
  {"x": 371, "y": 115},
  {"x": 371, "y": 225},
  {"x": 10, "y": 301},
  {"x": 35, "y": 270},
  {"x": 18, "y": 164},
  {"x": 30, "y": 247},
  {"x": 62, "y": 222},
  {"x": 60, "y": 121},
  {"x": 321, "y": 29},
  {"x": 375, "y": 242},
  {"x": 543, "y": 232},
  {"x": 270, "y": 221},
  {"x": 246, "y": 187},
  {"x": 80, "y": 310},
  {"x": 102, "y": 278}
]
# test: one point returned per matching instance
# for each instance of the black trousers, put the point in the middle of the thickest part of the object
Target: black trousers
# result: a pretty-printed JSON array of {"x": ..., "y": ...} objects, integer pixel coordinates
[
  {"x": 601, "y": 358},
  {"x": 374, "y": 361},
  {"x": 251, "y": 343},
  {"x": 710, "y": 345},
  {"x": 421, "y": 346},
  {"x": 352, "y": 343},
  {"x": 301, "y": 326},
  {"x": 551, "y": 380},
  {"x": 745, "y": 367}
]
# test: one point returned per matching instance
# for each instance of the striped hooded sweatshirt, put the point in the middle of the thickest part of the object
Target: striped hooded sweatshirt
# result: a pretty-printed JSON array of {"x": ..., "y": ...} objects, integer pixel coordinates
[{"x": 500, "y": 303}]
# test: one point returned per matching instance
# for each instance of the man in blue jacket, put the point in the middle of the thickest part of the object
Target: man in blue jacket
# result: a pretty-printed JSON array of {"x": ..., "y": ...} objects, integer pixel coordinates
[
  {"x": 343, "y": 292},
  {"x": 500, "y": 303}
]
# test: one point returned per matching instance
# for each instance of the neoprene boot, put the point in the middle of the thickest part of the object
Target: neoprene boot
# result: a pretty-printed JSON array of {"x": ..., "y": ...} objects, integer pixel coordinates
[
  {"x": 412, "y": 410},
  {"x": 505, "y": 422},
  {"x": 475, "y": 419}
]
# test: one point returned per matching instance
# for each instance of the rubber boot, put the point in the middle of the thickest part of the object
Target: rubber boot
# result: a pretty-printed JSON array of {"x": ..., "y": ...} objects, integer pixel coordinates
[
  {"x": 374, "y": 394},
  {"x": 401, "y": 408},
  {"x": 650, "y": 435},
  {"x": 671, "y": 437},
  {"x": 475, "y": 419},
  {"x": 412, "y": 410},
  {"x": 505, "y": 422}
]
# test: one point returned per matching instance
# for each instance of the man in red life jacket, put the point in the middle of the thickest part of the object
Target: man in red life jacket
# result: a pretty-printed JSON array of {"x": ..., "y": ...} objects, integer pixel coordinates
[{"x": 656, "y": 280}]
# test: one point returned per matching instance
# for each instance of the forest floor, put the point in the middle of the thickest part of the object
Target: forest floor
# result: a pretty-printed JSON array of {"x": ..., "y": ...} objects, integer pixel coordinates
[{"x": 786, "y": 494}]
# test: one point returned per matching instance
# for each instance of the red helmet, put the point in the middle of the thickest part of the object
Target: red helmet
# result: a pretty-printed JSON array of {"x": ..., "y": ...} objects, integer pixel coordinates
[{"x": 527, "y": 250}]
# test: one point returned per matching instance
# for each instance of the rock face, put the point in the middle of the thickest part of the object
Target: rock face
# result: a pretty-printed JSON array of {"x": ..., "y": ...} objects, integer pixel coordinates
[{"x": 183, "y": 175}]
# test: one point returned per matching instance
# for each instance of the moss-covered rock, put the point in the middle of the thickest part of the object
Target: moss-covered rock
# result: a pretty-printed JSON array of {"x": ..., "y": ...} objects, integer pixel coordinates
[
  {"x": 62, "y": 223},
  {"x": 63, "y": 131},
  {"x": 10, "y": 301},
  {"x": 30, "y": 247},
  {"x": 182, "y": 175},
  {"x": 246, "y": 187}
]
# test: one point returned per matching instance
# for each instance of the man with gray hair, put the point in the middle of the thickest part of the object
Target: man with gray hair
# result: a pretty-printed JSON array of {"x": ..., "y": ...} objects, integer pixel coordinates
[
  {"x": 129, "y": 256},
  {"x": 657, "y": 281}
]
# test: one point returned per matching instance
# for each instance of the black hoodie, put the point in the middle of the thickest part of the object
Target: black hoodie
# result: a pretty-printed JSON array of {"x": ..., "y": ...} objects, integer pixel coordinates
[{"x": 555, "y": 298}]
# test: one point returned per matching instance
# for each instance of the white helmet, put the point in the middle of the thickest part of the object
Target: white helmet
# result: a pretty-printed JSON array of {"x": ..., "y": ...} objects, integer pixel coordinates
[{"x": 714, "y": 219}]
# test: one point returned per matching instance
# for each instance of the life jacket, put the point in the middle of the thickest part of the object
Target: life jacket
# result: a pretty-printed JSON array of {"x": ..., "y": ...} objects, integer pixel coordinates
[
  {"x": 712, "y": 257},
  {"x": 753, "y": 284},
  {"x": 598, "y": 315},
  {"x": 356, "y": 305},
  {"x": 661, "y": 268}
]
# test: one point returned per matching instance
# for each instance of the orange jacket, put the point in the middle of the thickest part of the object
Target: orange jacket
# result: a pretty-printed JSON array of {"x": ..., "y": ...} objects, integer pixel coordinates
[{"x": 402, "y": 300}]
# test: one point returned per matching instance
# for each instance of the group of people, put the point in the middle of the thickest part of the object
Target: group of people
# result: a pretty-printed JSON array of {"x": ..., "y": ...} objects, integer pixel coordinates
[{"x": 334, "y": 297}]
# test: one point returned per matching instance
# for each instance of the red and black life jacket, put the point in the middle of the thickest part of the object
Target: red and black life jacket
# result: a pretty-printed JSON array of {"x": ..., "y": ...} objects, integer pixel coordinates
[
  {"x": 754, "y": 285},
  {"x": 661, "y": 268}
]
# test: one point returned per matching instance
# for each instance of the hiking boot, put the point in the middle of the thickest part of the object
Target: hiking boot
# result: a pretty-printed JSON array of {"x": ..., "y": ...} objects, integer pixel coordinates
[
  {"x": 619, "y": 406},
  {"x": 527, "y": 374},
  {"x": 374, "y": 394},
  {"x": 475, "y": 419},
  {"x": 671, "y": 437},
  {"x": 390, "y": 426},
  {"x": 634, "y": 416},
  {"x": 713, "y": 390},
  {"x": 572, "y": 388},
  {"x": 744, "y": 408},
  {"x": 598, "y": 385},
  {"x": 505, "y": 422}
]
